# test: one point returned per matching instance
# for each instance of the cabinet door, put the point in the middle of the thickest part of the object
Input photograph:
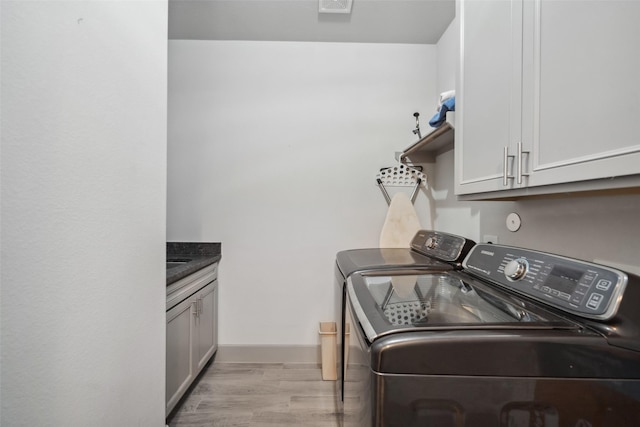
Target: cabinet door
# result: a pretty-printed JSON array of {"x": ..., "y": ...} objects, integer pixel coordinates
[
  {"x": 488, "y": 97},
  {"x": 585, "y": 90},
  {"x": 180, "y": 367},
  {"x": 206, "y": 325}
]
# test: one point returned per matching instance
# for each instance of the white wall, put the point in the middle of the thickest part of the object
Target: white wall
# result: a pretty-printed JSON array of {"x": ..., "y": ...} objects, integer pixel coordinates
[
  {"x": 273, "y": 151},
  {"x": 83, "y": 213},
  {"x": 448, "y": 55},
  {"x": 599, "y": 227},
  {"x": 449, "y": 214}
]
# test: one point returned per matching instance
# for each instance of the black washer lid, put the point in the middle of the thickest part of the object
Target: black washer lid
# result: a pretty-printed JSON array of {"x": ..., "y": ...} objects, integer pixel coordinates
[{"x": 354, "y": 260}]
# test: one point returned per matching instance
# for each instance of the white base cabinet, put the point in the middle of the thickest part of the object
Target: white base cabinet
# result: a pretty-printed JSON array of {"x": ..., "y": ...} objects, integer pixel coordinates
[
  {"x": 205, "y": 325},
  {"x": 192, "y": 333},
  {"x": 548, "y": 94}
]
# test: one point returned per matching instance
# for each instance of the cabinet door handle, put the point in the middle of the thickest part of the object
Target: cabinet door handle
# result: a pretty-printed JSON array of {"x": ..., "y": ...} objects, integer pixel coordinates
[
  {"x": 197, "y": 307},
  {"x": 505, "y": 166},
  {"x": 520, "y": 153}
]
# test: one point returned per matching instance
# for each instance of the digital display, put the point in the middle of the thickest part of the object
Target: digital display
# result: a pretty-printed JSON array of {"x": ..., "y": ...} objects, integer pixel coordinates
[{"x": 563, "y": 279}]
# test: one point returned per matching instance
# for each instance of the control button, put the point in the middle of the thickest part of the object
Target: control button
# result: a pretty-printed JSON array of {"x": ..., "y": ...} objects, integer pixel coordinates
[
  {"x": 594, "y": 301},
  {"x": 603, "y": 285},
  {"x": 516, "y": 269},
  {"x": 582, "y": 289}
]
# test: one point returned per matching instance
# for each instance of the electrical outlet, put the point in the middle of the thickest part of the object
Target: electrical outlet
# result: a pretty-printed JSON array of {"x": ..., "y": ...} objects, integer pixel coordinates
[{"x": 489, "y": 238}]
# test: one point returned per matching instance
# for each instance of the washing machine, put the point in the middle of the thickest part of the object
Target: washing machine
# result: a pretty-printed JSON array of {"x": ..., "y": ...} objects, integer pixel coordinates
[
  {"x": 429, "y": 250},
  {"x": 516, "y": 338}
]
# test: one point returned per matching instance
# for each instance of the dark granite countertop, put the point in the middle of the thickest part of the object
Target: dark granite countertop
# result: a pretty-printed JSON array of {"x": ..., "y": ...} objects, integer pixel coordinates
[{"x": 196, "y": 255}]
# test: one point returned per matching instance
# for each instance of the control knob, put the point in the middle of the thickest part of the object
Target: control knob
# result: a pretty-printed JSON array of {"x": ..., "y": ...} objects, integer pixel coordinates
[
  {"x": 431, "y": 243},
  {"x": 516, "y": 269}
]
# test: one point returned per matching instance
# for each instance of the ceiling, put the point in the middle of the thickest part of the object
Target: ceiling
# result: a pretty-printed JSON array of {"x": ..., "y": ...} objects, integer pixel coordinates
[{"x": 370, "y": 21}]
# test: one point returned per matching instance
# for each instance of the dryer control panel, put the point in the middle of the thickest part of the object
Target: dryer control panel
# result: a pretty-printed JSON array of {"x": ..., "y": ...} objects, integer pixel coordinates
[
  {"x": 582, "y": 288},
  {"x": 441, "y": 246}
]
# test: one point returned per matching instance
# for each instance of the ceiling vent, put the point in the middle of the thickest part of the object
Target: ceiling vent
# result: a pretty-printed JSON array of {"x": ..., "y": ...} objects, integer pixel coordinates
[{"x": 334, "y": 6}]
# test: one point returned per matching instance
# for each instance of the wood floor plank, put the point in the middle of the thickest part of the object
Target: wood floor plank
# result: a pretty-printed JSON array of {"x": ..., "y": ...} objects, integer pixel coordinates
[
  {"x": 307, "y": 374},
  {"x": 212, "y": 420},
  {"x": 259, "y": 395},
  {"x": 317, "y": 388}
]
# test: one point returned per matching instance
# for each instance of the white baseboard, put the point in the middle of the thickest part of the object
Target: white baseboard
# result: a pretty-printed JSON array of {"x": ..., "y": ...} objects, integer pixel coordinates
[{"x": 268, "y": 354}]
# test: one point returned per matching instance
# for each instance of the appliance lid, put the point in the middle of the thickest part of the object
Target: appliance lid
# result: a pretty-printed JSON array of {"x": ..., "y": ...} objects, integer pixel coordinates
[
  {"x": 391, "y": 303},
  {"x": 429, "y": 249},
  {"x": 354, "y": 260}
]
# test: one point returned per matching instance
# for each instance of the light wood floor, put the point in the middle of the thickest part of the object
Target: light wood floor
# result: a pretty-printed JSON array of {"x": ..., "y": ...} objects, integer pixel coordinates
[{"x": 239, "y": 394}]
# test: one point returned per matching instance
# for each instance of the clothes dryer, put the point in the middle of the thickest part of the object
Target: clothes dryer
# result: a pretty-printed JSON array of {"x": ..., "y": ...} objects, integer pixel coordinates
[{"x": 429, "y": 250}]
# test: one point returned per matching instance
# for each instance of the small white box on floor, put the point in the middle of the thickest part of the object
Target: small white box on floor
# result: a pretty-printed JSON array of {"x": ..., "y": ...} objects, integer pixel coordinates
[{"x": 328, "y": 332}]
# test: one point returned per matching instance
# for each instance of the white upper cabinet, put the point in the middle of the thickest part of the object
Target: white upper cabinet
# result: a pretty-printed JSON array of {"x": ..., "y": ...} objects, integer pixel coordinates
[
  {"x": 488, "y": 104},
  {"x": 548, "y": 94}
]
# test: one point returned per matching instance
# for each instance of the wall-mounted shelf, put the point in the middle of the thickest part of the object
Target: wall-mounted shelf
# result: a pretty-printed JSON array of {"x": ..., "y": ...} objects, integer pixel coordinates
[{"x": 437, "y": 141}]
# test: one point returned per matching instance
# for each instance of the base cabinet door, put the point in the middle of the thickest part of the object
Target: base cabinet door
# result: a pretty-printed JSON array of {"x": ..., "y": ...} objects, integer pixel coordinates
[
  {"x": 180, "y": 370},
  {"x": 206, "y": 325},
  {"x": 192, "y": 339}
]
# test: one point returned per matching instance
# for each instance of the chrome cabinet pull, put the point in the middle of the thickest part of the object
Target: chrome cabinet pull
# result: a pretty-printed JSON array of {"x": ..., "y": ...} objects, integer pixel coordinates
[
  {"x": 520, "y": 153},
  {"x": 505, "y": 166},
  {"x": 197, "y": 305}
]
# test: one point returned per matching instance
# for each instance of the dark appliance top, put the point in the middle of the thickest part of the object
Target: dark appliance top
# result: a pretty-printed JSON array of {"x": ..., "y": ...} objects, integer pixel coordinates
[
  {"x": 354, "y": 260},
  {"x": 554, "y": 316},
  {"x": 429, "y": 249}
]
